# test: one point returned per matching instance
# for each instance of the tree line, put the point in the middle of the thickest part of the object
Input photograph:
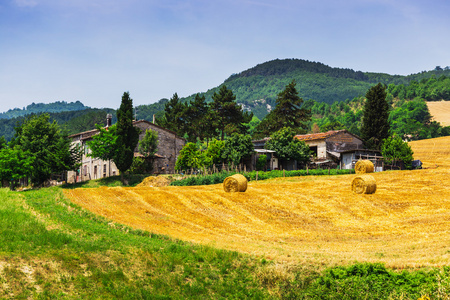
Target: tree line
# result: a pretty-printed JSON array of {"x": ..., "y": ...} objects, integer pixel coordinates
[{"x": 218, "y": 132}]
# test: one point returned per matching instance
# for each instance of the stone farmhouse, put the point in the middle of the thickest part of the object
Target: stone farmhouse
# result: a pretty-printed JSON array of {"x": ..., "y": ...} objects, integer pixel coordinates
[
  {"x": 337, "y": 148},
  {"x": 169, "y": 147},
  {"x": 340, "y": 147}
]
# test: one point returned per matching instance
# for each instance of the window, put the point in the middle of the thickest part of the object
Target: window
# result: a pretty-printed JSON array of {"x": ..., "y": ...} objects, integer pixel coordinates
[{"x": 313, "y": 150}]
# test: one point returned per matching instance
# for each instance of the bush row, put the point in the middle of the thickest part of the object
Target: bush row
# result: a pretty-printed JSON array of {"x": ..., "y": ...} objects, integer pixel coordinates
[{"x": 220, "y": 177}]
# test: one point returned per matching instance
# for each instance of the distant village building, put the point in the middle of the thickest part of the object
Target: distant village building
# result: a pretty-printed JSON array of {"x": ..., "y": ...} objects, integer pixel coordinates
[{"x": 169, "y": 147}]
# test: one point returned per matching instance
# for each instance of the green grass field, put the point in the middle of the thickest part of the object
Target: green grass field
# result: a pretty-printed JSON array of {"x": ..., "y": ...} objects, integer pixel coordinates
[{"x": 52, "y": 249}]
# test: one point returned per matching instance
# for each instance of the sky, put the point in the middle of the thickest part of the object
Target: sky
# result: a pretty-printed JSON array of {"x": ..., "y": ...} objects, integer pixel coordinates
[{"x": 94, "y": 50}]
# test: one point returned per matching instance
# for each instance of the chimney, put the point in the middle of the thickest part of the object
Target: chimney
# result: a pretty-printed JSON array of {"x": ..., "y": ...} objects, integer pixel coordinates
[
  {"x": 153, "y": 119},
  {"x": 108, "y": 120}
]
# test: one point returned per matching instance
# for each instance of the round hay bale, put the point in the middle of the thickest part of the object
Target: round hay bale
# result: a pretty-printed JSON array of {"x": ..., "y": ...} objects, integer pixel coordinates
[
  {"x": 364, "y": 166},
  {"x": 235, "y": 183},
  {"x": 364, "y": 184}
]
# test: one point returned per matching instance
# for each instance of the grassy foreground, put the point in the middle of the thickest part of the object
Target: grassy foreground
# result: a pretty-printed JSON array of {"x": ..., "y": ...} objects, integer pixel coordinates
[{"x": 51, "y": 248}]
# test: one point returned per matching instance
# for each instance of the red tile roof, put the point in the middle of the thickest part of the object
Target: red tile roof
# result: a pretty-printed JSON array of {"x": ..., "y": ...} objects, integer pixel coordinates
[{"x": 317, "y": 136}]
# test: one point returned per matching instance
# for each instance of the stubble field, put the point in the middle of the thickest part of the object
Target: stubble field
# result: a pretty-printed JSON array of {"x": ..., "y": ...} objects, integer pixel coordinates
[
  {"x": 440, "y": 110},
  {"x": 405, "y": 224}
]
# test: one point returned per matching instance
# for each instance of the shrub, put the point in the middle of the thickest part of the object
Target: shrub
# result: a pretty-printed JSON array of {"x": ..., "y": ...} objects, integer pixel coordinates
[{"x": 220, "y": 177}]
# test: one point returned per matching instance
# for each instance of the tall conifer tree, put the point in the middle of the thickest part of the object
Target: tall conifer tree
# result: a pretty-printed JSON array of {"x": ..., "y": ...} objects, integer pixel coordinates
[
  {"x": 375, "y": 122},
  {"x": 227, "y": 113},
  {"x": 127, "y": 135}
]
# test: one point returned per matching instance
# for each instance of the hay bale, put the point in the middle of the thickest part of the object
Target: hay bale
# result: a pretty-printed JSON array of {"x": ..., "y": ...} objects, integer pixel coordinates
[
  {"x": 235, "y": 183},
  {"x": 364, "y": 166},
  {"x": 364, "y": 184},
  {"x": 154, "y": 181}
]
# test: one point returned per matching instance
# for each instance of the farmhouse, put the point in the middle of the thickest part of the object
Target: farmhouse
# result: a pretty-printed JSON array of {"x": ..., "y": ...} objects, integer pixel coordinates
[
  {"x": 336, "y": 148},
  {"x": 169, "y": 147},
  {"x": 340, "y": 147}
]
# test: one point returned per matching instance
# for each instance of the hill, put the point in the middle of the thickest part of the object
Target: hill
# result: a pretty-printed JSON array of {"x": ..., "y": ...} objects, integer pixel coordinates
[
  {"x": 315, "y": 81},
  {"x": 70, "y": 121},
  {"x": 37, "y": 108},
  {"x": 256, "y": 89}
]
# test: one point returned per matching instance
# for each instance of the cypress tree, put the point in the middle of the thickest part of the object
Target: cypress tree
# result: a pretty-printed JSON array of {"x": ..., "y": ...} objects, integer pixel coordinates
[
  {"x": 127, "y": 135},
  {"x": 375, "y": 122}
]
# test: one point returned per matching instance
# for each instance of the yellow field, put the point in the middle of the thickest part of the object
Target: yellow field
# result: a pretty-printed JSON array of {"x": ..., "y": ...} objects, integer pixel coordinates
[
  {"x": 440, "y": 110},
  {"x": 432, "y": 152},
  {"x": 405, "y": 224}
]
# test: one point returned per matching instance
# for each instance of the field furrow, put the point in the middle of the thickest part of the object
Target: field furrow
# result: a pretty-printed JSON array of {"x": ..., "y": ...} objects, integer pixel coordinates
[{"x": 406, "y": 223}]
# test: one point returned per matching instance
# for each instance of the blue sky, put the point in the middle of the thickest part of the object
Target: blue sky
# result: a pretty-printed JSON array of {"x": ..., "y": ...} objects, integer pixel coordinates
[{"x": 94, "y": 50}]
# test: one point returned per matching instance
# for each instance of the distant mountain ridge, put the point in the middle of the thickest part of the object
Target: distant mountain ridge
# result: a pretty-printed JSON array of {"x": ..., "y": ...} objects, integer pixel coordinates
[
  {"x": 37, "y": 108},
  {"x": 256, "y": 89}
]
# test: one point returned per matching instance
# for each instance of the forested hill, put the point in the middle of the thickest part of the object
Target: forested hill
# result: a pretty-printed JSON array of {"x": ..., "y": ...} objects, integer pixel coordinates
[
  {"x": 37, "y": 108},
  {"x": 258, "y": 87},
  {"x": 71, "y": 121}
]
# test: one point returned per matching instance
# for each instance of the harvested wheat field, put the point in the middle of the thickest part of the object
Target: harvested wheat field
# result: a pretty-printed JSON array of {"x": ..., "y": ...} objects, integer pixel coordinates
[
  {"x": 440, "y": 110},
  {"x": 433, "y": 152},
  {"x": 404, "y": 224}
]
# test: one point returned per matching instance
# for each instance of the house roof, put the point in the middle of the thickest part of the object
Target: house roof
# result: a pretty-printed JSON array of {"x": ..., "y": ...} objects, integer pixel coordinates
[
  {"x": 322, "y": 135},
  {"x": 317, "y": 136},
  {"x": 92, "y": 132}
]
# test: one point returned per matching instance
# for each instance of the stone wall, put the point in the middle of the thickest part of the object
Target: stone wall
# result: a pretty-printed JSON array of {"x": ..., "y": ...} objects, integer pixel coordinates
[
  {"x": 169, "y": 146},
  {"x": 343, "y": 141}
]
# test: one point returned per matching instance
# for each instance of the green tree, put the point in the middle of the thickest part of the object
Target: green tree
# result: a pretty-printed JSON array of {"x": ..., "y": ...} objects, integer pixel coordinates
[
  {"x": 375, "y": 122},
  {"x": 15, "y": 164},
  {"x": 148, "y": 146},
  {"x": 2, "y": 142},
  {"x": 228, "y": 115},
  {"x": 197, "y": 115},
  {"x": 215, "y": 150},
  {"x": 394, "y": 149},
  {"x": 127, "y": 136},
  {"x": 190, "y": 158},
  {"x": 174, "y": 115},
  {"x": 336, "y": 125},
  {"x": 288, "y": 112},
  {"x": 45, "y": 141},
  {"x": 261, "y": 162},
  {"x": 103, "y": 144},
  {"x": 287, "y": 147},
  {"x": 237, "y": 147}
]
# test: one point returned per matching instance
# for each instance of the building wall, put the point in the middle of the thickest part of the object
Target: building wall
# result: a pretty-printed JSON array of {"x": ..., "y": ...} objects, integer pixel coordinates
[
  {"x": 169, "y": 147},
  {"x": 346, "y": 160},
  {"x": 343, "y": 141},
  {"x": 321, "y": 147},
  {"x": 91, "y": 168}
]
